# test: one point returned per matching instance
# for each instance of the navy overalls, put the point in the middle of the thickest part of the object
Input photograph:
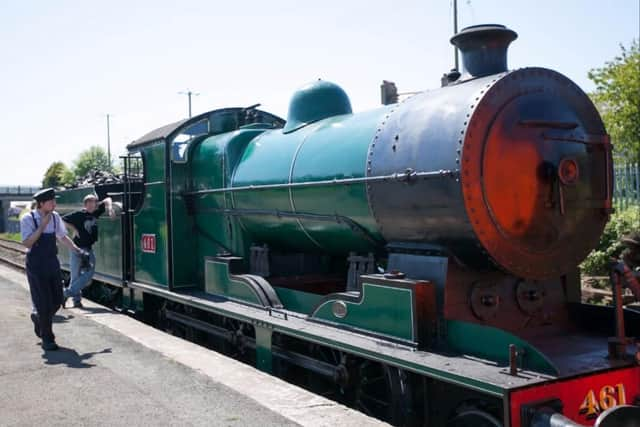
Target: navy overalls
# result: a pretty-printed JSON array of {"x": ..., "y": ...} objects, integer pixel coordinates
[{"x": 45, "y": 279}]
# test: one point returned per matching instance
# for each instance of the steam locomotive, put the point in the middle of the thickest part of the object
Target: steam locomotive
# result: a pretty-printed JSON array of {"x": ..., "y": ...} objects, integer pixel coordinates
[{"x": 417, "y": 261}]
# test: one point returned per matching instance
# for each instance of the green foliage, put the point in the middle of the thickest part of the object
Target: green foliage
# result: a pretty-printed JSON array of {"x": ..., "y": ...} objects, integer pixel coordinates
[
  {"x": 57, "y": 174},
  {"x": 68, "y": 177},
  {"x": 12, "y": 236},
  {"x": 617, "y": 97},
  {"x": 92, "y": 158},
  {"x": 621, "y": 224}
]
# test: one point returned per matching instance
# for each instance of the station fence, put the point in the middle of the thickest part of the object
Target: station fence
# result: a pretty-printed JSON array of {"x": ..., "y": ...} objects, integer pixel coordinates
[
  {"x": 626, "y": 185},
  {"x": 21, "y": 190}
]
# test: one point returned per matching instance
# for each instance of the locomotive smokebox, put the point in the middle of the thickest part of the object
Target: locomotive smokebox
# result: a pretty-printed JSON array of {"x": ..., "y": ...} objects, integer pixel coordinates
[
  {"x": 483, "y": 49},
  {"x": 524, "y": 166}
]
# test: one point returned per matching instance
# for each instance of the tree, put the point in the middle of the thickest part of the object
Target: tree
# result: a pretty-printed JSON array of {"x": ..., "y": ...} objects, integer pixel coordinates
[
  {"x": 57, "y": 174},
  {"x": 68, "y": 177},
  {"x": 92, "y": 158},
  {"x": 617, "y": 97}
]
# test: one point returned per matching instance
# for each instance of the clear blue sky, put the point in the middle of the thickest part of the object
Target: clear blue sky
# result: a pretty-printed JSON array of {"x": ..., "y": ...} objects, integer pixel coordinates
[{"x": 67, "y": 63}]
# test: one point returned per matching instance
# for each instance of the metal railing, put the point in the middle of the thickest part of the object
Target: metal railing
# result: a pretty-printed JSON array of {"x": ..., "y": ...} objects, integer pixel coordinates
[
  {"x": 626, "y": 187},
  {"x": 21, "y": 190}
]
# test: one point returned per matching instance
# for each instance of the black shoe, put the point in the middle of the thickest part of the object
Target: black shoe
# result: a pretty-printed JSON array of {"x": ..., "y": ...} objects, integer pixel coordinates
[
  {"x": 63, "y": 303},
  {"x": 49, "y": 345},
  {"x": 36, "y": 324},
  {"x": 78, "y": 304}
]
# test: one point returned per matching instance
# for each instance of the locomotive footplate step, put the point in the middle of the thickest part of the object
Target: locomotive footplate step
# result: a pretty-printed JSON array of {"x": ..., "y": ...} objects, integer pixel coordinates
[{"x": 113, "y": 370}]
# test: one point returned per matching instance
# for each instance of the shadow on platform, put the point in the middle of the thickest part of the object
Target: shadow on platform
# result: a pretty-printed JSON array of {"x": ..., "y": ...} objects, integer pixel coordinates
[
  {"x": 70, "y": 357},
  {"x": 58, "y": 318},
  {"x": 95, "y": 310}
]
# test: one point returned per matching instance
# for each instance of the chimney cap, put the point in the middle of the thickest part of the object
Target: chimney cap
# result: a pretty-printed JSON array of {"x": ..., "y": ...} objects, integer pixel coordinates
[
  {"x": 482, "y": 32},
  {"x": 483, "y": 49}
]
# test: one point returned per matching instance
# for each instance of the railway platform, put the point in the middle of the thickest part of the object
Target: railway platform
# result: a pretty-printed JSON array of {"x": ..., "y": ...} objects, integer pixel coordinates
[{"x": 113, "y": 370}]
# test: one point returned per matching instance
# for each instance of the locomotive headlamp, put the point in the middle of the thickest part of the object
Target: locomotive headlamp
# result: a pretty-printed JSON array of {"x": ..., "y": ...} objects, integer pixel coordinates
[{"x": 568, "y": 171}]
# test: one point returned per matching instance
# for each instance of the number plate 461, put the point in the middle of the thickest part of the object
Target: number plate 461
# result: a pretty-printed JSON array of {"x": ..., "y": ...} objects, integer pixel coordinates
[{"x": 597, "y": 401}]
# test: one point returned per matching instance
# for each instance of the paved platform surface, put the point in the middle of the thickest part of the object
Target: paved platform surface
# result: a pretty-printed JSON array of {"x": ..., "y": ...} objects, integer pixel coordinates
[{"x": 112, "y": 370}]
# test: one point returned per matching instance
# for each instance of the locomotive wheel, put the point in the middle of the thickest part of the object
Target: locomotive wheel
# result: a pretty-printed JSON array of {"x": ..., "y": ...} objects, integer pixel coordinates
[
  {"x": 332, "y": 388},
  {"x": 236, "y": 343},
  {"x": 473, "y": 416},
  {"x": 383, "y": 392},
  {"x": 157, "y": 317},
  {"x": 191, "y": 334},
  {"x": 373, "y": 388},
  {"x": 176, "y": 329},
  {"x": 104, "y": 294},
  {"x": 240, "y": 340}
]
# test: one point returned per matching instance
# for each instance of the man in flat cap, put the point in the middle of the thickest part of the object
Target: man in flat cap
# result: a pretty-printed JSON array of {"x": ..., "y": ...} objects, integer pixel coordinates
[
  {"x": 85, "y": 227},
  {"x": 39, "y": 229}
]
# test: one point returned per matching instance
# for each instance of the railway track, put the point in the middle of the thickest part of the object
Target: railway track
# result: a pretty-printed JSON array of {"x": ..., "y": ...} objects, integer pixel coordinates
[{"x": 12, "y": 253}]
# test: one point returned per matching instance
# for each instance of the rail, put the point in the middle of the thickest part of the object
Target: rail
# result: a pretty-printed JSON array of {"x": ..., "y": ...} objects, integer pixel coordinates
[
  {"x": 12, "y": 245},
  {"x": 12, "y": 253}
]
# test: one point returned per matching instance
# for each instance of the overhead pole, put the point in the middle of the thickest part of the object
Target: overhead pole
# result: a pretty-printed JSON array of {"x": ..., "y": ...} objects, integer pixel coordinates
[
  {"x": 109, "y": 139},
  {"x": 455, "y": 31},
  {"x": 189, "y": 95}
]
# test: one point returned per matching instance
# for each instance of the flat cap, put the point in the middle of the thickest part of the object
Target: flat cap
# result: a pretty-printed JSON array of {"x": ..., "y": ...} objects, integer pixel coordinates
[
  {"x": 45, "y": 194},
  {"x": 89, "y": 197}
]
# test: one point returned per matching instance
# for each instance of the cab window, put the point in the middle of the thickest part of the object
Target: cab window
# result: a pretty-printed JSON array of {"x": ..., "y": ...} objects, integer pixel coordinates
[{"x": 180, "y": 143}]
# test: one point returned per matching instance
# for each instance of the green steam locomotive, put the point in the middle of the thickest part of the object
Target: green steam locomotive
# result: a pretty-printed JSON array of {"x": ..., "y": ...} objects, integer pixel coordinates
[{"x": 417, "y": 261}]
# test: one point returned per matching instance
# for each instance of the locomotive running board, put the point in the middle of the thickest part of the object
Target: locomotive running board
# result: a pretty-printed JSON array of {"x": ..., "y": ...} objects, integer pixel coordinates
[{"x": 480, "y": 375}]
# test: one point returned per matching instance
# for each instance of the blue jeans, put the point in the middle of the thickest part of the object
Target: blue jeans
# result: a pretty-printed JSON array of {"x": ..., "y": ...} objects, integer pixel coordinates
[{"x": 80, "y": 279}]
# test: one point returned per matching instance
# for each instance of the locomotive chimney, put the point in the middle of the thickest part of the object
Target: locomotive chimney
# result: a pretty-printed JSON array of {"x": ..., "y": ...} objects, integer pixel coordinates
[{"x": 483, "y": 49}]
